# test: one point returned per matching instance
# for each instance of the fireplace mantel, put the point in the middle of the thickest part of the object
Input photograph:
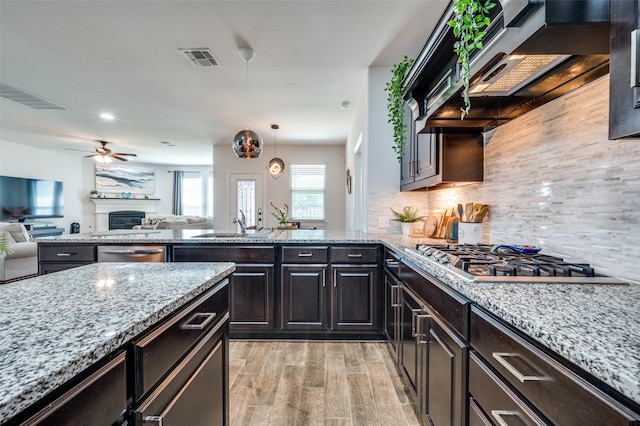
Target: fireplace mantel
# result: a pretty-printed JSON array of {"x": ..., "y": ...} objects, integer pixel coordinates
[{"x": 104, "y": 206}]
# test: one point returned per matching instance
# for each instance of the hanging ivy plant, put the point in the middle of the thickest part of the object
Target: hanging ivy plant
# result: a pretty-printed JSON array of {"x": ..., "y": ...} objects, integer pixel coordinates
[
  {"x": 394, "y": 105},
  {"x": 471, "y": 17}
]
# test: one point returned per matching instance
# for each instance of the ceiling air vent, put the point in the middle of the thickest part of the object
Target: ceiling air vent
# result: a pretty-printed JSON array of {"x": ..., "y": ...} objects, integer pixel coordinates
[
  {"x": 26, "y": 99},
  {"x": 200, "y": 57}
]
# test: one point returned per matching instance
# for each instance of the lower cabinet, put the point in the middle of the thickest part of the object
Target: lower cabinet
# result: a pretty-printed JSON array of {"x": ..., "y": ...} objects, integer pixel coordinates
[
  {"x": 304, "y": 298},
  {"x": 354, "y": 302},
  {"x": 100, "y": 399},
  {"x": 58, "y": 257}
]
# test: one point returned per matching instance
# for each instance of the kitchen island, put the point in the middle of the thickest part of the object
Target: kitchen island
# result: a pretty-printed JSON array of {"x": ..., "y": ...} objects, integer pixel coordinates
[
  {"x": 56, "y": 327},
  {"x": 593, "y": 327}
]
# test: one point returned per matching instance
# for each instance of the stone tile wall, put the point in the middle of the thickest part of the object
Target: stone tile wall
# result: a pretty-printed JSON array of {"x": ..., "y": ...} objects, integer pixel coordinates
[{"x": 553, "y": 179}]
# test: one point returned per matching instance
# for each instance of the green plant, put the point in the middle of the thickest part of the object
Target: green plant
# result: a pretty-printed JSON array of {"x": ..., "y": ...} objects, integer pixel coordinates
[
  {"x": 394, "y": 105},
  {"x": 281, "y": 214},
  {"x": 471, "y": 17},
  {"x": 408, "y": 215},
  {"x": 94, "y": 192}
]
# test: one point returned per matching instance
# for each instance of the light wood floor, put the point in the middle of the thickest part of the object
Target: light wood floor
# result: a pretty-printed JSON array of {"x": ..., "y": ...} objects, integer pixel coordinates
[{"x": 315, "y": 383}]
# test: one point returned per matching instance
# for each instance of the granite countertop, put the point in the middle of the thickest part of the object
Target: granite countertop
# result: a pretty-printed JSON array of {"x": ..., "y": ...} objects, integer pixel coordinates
[
  {"x": 55, "y": 326},
  {"x": 594, "y": 326}
]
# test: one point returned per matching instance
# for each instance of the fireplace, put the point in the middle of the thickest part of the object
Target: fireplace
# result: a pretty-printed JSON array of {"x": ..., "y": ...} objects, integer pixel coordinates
[{"x": 125, "y": 219}]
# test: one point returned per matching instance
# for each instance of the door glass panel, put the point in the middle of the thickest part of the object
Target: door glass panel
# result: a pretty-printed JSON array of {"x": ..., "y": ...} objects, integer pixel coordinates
[{"x": 246, "y": 199}]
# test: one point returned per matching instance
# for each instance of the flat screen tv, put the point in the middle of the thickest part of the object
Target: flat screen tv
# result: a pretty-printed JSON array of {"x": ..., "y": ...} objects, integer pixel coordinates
[{"x": 22, "y": 198}]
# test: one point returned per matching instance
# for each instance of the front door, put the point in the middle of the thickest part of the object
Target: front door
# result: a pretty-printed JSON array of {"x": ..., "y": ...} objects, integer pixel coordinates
[{"x": 246, "y": 194}]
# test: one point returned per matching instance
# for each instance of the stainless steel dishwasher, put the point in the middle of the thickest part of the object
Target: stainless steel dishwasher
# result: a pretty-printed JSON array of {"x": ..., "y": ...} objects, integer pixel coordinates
[{"x": 132, "y": 254}]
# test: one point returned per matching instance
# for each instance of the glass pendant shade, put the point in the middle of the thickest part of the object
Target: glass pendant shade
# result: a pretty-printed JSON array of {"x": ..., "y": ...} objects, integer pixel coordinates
[
  {"x": 276, "y": 167},
  {"x": 247, "y": 144}
]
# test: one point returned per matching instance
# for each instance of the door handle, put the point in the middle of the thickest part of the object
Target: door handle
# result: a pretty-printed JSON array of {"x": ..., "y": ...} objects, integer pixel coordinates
[
  {"x": 414, "y": 315},
  {"x": 420, "y": 332}
]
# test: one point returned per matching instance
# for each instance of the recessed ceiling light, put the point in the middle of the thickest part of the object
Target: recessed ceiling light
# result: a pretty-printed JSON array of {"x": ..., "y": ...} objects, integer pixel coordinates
[{"x": 107, "y": 116}]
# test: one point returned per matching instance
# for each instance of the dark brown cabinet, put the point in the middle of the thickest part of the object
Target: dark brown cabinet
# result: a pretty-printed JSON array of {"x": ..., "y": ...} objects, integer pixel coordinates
[
  {"x": 58, "y": 257},
  {"x": 252, "y": 300},
  {"x": 100, "y": 399},
  {"x": 554, "y": 391},
  {"x": 305, "y": 297}
]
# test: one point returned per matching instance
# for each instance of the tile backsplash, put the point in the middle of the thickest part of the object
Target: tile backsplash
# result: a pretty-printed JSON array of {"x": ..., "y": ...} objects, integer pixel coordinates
[{"x": 553, "y": 179}]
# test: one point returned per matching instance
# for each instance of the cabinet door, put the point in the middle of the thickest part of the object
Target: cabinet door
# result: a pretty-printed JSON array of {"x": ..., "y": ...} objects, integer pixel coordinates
[
  {"x": 426, "y": 155},
  {"x": 446, "y": 385},
  {"x": 391, "y": 310},
  {"x": 304, "y": 297},
  {"x": 354, "y": 302},
  {"x": 411, "y": 350},
  {"x": 251, "y": 299}
]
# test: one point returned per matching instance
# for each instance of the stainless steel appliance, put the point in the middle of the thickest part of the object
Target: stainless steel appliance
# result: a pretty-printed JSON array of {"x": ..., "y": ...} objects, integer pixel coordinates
[
  {"x": 498, "y": 263},
  {"x": 132, "y": 254}
]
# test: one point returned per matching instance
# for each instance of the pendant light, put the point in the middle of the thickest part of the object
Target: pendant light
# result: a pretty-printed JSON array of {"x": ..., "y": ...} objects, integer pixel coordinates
[
  {"x": 276, "y": 165},
  {"x": 247, "y": 143}
]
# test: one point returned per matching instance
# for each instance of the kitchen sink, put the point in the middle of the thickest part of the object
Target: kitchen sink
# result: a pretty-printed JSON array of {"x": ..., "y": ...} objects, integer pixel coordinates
[{"x": 235, "y": 235}]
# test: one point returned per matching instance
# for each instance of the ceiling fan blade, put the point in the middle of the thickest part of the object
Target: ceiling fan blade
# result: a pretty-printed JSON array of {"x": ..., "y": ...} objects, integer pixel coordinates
[
  {"x": 123, "y": 153},
  {"x": 117, "y": 157},
  {"x": 92, "y": 155},
  {"x": 79, "y": 150}
]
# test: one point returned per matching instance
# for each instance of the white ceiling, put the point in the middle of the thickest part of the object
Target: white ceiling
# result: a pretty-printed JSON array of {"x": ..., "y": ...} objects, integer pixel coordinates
[{"x": 123, "y": 56}]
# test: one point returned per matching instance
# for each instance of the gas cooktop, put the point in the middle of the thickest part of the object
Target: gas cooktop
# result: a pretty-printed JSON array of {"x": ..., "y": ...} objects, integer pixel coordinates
[{"x": 508, "y": 263}]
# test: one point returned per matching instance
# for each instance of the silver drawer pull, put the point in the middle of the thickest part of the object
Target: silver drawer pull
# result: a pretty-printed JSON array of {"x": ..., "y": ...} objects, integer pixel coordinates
[
  {"x": 204, "y": 318},
  {"x": 65, "y": 254},
  {"x": 133, "y": 252},
  {"x": 391, "y": 262},
  {"x": 354, "y": 255},
  {"x": 497, "y": 415},
  {"x": 305, "y": 254},
  {"x": 500, "y": 357},
  {"x": 422, "y": 336},
  {"x": 154, "y": 419},
  {"x": 414, "y": 314}
]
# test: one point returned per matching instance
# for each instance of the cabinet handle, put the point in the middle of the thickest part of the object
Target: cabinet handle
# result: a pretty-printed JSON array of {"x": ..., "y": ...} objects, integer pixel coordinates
[
  {"x": 497, "y": 415},
  {"x": 391, "y": 262},
  {"x": 154, "y": 419},
  {"x": 65, "y": 254},
  {"x": 305, "y": 254},
  {"x": 205, "y": 318},
  {"x": 420, "y": 331},
  {"x": 414, "y": 314},
  {"x": 354, "y": 255},
  {"x": 395, "y": 296},
  {"x": 500, "y": 357},
  {"x": 635, "y": 58},
  {"x": 133, "y": 252}
]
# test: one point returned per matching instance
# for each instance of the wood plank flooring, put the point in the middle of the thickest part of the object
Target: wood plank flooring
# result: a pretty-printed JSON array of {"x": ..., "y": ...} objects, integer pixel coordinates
[{"x": 315, "y": 383}]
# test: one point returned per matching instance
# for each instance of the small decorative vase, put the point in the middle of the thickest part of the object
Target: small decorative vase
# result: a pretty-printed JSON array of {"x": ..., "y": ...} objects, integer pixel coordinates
[
  {"x": 407, "y": 227},
  {"x": 282, "y": 226}
]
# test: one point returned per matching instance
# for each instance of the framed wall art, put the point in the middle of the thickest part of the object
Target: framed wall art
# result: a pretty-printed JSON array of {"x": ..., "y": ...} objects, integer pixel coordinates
[{"x": 127, "y": 179}]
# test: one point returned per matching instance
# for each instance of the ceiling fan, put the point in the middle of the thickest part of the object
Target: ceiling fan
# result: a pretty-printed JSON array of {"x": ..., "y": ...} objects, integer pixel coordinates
[{"x": 105, "y": 155}]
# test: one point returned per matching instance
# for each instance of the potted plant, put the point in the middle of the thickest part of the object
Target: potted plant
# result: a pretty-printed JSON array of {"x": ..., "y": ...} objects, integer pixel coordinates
[
  {"x": 395, "y": 111},
  {"x": 281, "y": 215},
  {"x": 470, "y": 20},
  {"x": 94, "y": 193},
  {"x": 407, "y": 218}
]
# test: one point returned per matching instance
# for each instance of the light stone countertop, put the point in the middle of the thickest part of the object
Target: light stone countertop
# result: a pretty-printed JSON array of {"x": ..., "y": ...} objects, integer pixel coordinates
[
  {"x": 594, "y": 326},
  {"x": 55, "y": 326}
]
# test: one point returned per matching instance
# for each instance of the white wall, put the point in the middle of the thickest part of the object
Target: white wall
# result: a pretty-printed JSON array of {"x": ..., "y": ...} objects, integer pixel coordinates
[
  {"x": 24, "y": 161},
  {"x": 277, "y": 190}
]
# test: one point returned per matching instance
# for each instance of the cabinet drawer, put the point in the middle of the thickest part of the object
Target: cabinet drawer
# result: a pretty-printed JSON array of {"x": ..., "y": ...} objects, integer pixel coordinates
[
  {"x": 238, "y": 254},
  {"x": 67, "y": 253},
  {"x": 305, "y": 254},
  {"x": 452, "y": 307},
  {"x": 158, "y": 351},
  {"x": 354, "y": 254},
  {"x": 100, "y": 399},
  {"x": 495, "y": 398},
  {"x": 559, "y": 394}
]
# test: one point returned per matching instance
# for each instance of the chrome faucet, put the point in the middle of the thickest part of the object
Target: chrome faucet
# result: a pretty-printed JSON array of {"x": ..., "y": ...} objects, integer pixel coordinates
[{"x": 241, "y": 220}]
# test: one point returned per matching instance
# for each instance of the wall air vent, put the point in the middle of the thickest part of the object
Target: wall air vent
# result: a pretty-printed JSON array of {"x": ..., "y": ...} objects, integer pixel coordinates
[
  {"x": 24, "y": 98},
  {"x": 200, "y": 57}
]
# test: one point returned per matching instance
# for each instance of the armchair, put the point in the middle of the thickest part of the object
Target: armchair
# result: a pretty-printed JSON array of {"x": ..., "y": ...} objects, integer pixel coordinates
[{"x": 21, "y": 259}]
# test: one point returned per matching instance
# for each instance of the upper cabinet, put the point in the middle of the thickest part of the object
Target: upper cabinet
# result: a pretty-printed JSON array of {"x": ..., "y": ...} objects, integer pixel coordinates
[{"x": 624, "y": 85}]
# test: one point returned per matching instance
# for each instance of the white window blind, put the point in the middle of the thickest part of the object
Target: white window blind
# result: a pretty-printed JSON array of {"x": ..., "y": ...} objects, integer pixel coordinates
[
  {"x": 307, "y": 192},
  {"x": 192, "y": 193}
]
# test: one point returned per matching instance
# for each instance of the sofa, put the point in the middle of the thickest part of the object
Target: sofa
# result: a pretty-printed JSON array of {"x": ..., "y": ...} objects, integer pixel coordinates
[
  {"x": 21, "y": 259},
  {"x": 175, "y": 222}
]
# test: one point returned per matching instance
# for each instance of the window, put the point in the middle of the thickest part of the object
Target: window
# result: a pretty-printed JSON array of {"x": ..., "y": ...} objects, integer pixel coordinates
[
  {"x": 192, "y": 194},
  {"x": 307, "y": 192}
]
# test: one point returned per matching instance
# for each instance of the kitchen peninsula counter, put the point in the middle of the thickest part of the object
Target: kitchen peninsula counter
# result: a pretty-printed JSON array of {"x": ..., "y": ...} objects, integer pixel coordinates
[
  {"x": 594, "y": 326},
  {"x": 56, "y": 326}
]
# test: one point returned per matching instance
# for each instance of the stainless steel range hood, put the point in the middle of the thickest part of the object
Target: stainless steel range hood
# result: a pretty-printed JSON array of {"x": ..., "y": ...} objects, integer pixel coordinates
[{"x": 535, "y": 51}]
